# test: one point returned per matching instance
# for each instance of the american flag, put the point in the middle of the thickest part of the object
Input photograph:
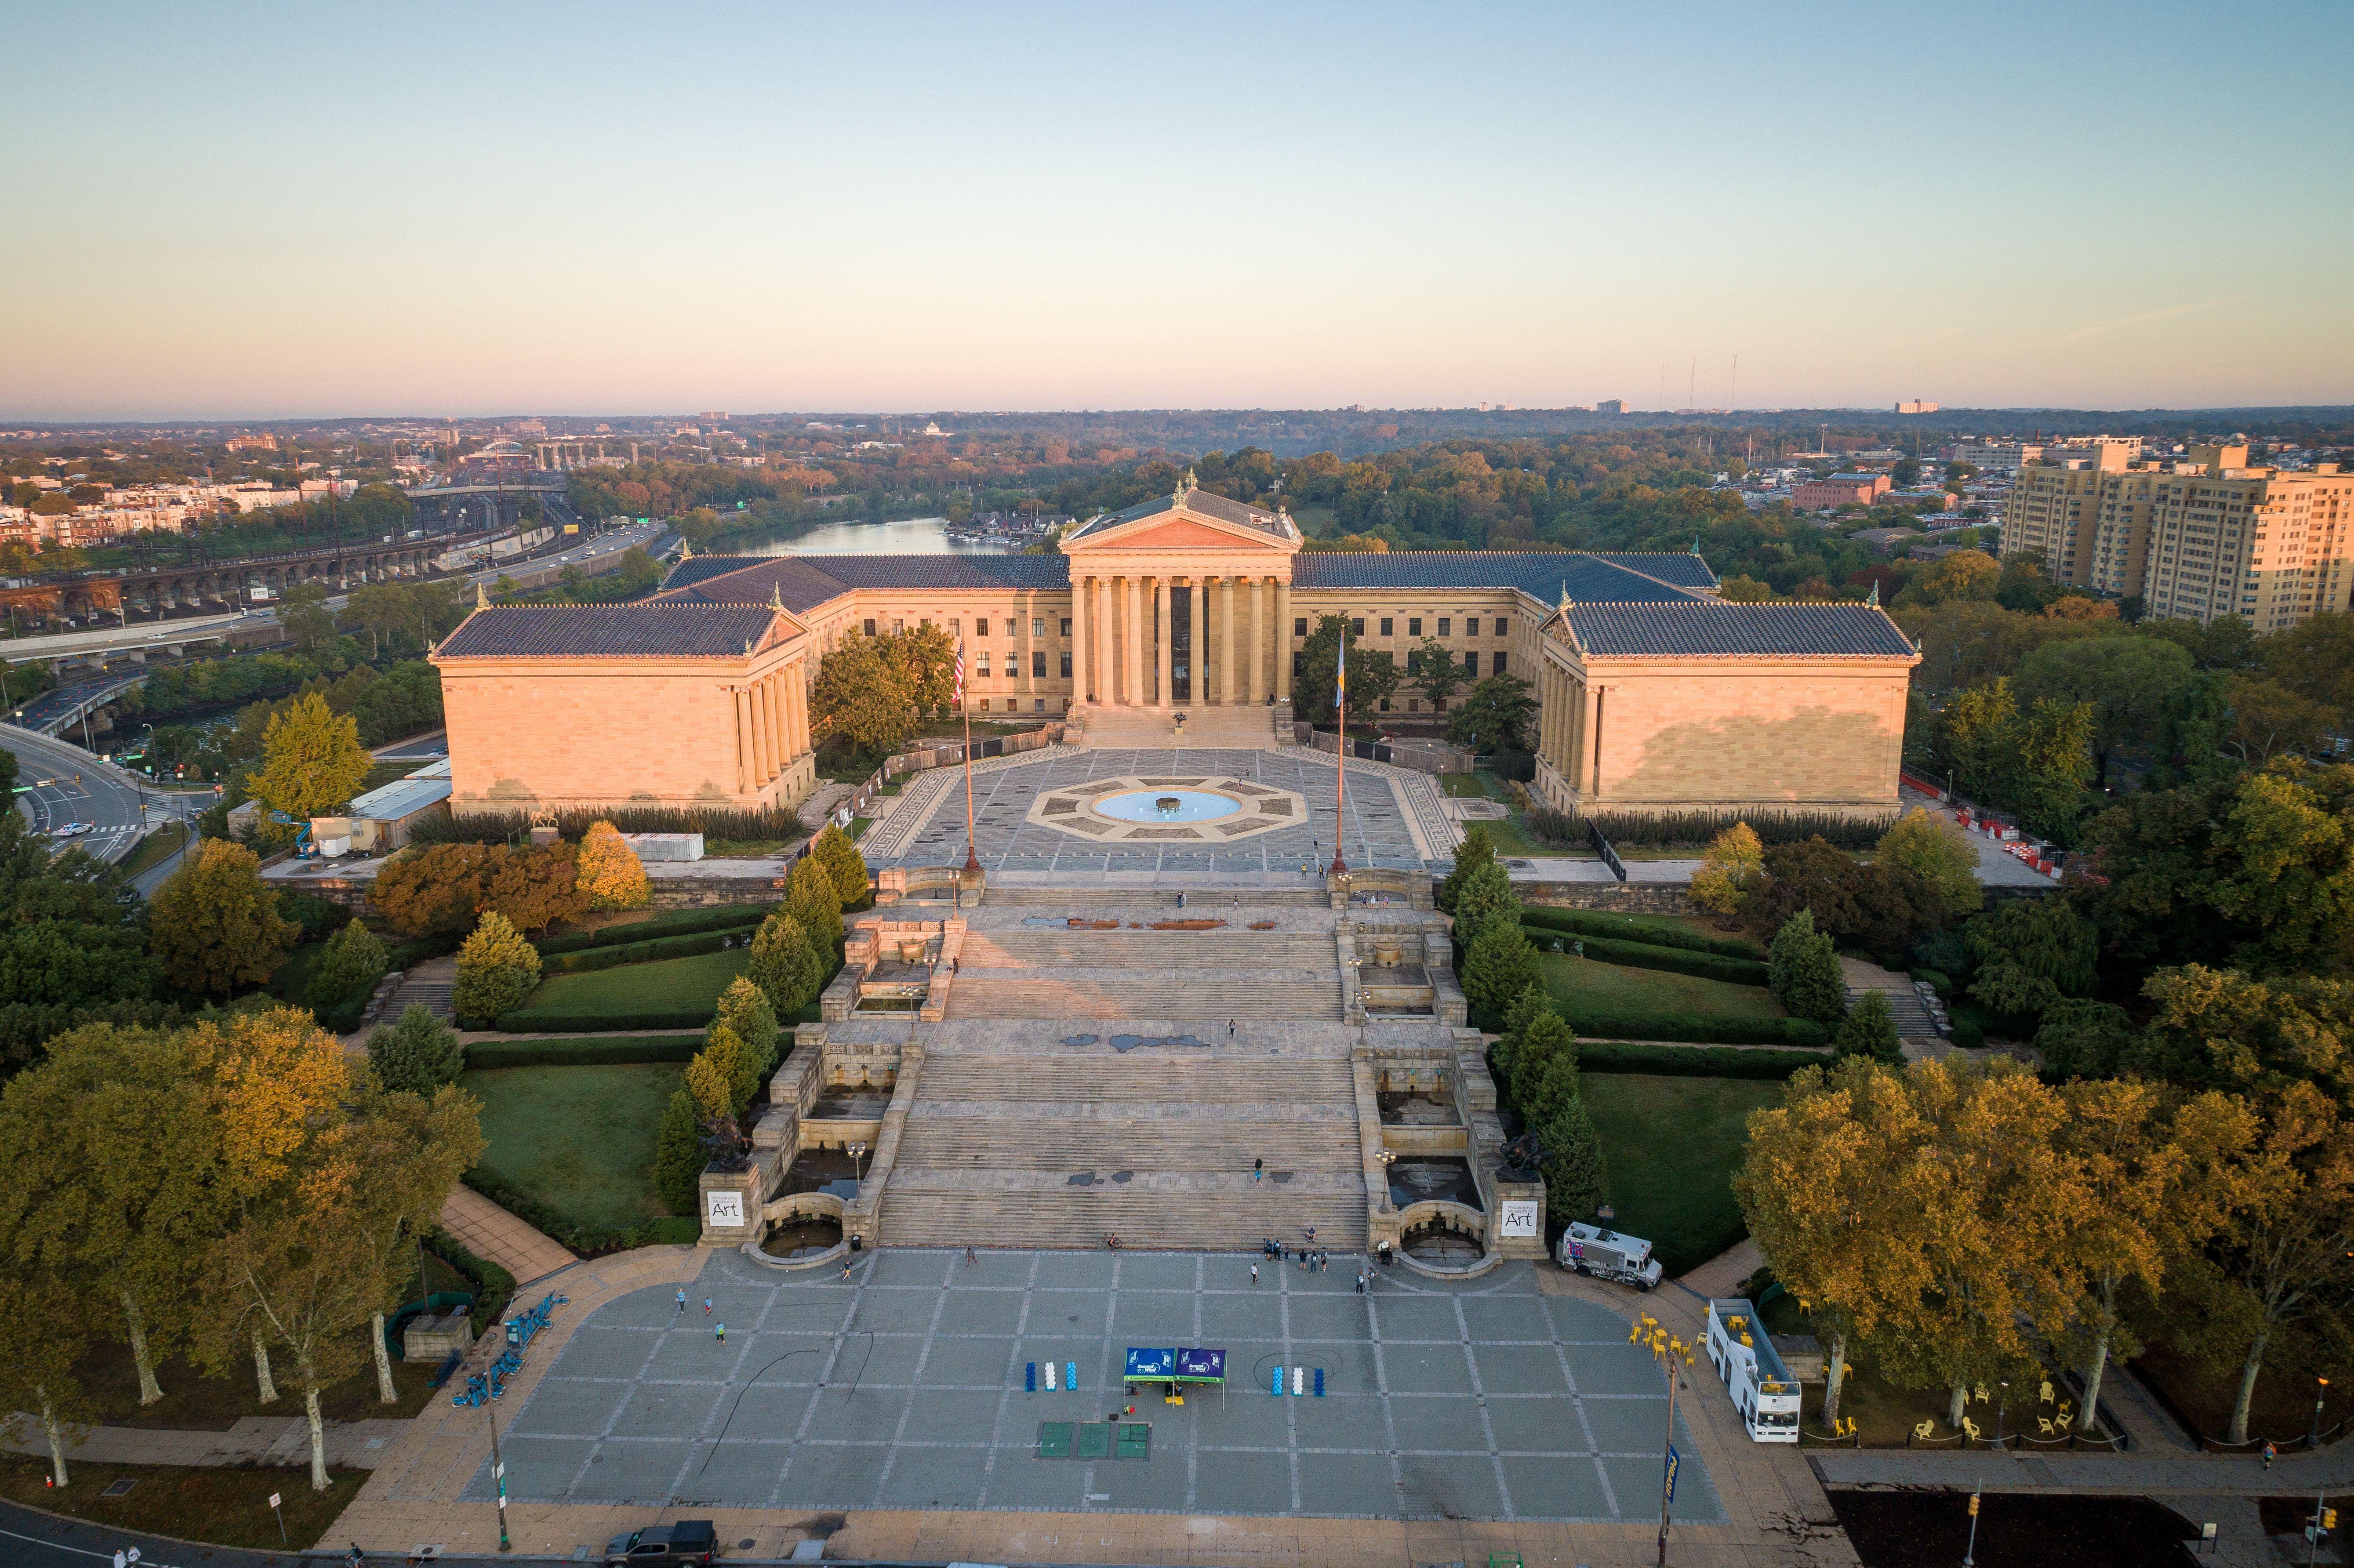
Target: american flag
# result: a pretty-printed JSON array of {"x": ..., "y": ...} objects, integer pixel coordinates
[
  {"x": 959, "y": 675},
  {"x": 1340, "y": 672}
]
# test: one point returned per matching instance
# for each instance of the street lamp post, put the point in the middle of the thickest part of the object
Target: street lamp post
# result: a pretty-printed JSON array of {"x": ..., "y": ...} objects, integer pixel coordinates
[
  {"x": 857, "y": 1171},
  {"x": 499, "y": 1470},
  {"x": 2320, "y": 1393}
]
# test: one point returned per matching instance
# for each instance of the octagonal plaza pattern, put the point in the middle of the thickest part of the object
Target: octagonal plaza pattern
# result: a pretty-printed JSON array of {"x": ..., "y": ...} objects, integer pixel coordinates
[
  {"x": 903, "y": 1388},
  {"x": 1077, "y": 810},
  {"x": 1396, "y": 818}
]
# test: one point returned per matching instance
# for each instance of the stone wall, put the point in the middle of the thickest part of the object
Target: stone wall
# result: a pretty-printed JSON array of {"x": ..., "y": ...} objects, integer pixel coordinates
[{"x": 1619, "y": 898}]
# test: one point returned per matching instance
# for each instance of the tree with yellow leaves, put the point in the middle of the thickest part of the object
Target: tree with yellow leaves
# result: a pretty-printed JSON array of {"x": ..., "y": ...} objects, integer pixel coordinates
[
  {"x": 610, "y": 872},
  {"x": 311, "y": 763},
  {"x": 2124, "y": 1186},
  {"x": 1734, "y": 863},
  {"x": 1823, "y": 1186}
]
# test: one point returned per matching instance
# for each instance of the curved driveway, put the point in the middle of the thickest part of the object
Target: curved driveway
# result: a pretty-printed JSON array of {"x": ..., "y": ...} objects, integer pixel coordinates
[{"x": 69, "y": 785}]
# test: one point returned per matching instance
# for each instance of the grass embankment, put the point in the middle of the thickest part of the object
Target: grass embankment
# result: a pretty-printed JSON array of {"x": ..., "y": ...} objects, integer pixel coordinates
[
  {"x": 155, "y": 849},
  {"x": 581, "y": 1140},
  {"x": 2280, "y": 1410},
  {"x": 1673, "y": 1145},
  {"x": 210, "y": 1503},
  {"x": 1584, "y": 986},
  {"x": 195, "y": 1402},
  {"x": 684, "y": 992}
]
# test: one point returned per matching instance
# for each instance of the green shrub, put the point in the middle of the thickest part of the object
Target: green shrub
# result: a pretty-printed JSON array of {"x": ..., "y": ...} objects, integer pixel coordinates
[
  {"x": 712, "y": 822},
  {"x": 1970, "y": 1026},
  {"x": 496, "y": 970},
  {"x": 678, "y": 1155},
  {"x": 583, "y": 1050},
  {"x": 787, "y": 964},
  {"x": 417, "y": 1054},
  {"x": 592, "y": 1020},
  {"x": 1804, "y": 971},
  {"x": 1869, "y": 1030},
  {"x": 494, "y": 1285},
  {"x": 671, "y": 923},
  {"x": 319, "y": 918},
  {"x": 1629, "y": 928},
  {"x": 347, "y": 971},
  {"x": 1796, "y": 1031},
  {"x": 1674, "y": 960},
  {"x": 1693, "y": 1062}
]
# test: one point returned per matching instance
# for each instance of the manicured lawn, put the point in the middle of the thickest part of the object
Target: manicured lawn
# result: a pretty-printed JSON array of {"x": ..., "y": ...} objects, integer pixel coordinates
[
  {"x": 225, "y": 1506},
  {"x": 1463, "y": 786},
  {"x": 1645, "y": 927},
  {"x": 1673, "y": 1145},
  {"x": 580, "y": 1140},
  {"x": 679, "y": 983},
  {"x": 1582, "y": 985}
]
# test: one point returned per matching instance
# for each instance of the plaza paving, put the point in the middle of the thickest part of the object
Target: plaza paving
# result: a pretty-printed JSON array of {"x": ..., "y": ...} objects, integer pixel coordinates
[
  {"x": 1397, "y": 819},
  {"x": 902, "y": 1389}
]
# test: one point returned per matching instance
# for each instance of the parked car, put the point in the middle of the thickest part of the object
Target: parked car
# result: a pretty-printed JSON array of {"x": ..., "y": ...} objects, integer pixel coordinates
[{"x": 692, "y": 1540}]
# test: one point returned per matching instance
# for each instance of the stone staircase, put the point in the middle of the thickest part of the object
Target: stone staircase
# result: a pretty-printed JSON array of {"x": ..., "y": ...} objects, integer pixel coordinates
[
  {"x": 1211, "y": 976},
  {"x": 1914, "y": 1019},
  {"x": 431, "y": 983},
  {"x": 1210, "y": 902},
  {"x": 1060, "y": 1149},
  {"x": 1098, "y": 949}
]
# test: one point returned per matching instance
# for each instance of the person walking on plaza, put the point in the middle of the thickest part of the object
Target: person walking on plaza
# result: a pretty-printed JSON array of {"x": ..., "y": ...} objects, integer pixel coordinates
[
  {"x": 1230, "y": 1028},
  {"x": 1258, "y": 1169},
  {"x": 1253, "y": 1273},
  {"x": 682, "y": 1301},
  {"x": 2269, "y": 1452},
  {"x": 721, "y": 1330}
]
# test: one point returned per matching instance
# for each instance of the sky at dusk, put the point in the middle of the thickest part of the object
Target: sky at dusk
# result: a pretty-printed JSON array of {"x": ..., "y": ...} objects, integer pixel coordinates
[{"x": 255, "y": 212}]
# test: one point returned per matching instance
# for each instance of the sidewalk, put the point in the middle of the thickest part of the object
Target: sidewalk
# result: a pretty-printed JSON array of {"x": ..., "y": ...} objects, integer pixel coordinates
[
  {"x": 273, "y": 1441},
  {"x": 489, "y": 1233}
]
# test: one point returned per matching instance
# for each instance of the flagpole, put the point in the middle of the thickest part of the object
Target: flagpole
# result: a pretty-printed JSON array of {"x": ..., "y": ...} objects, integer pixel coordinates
[
  {"x": 971, "y": 860},
  {"x": 1341, "y": 700}
]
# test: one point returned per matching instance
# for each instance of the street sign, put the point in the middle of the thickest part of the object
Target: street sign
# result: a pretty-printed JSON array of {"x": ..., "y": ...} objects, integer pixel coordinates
[{"x": 273, "y": 1499}]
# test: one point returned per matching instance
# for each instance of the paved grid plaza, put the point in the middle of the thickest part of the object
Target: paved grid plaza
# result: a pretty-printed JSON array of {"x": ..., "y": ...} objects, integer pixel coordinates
[
  {"x": 902, "y": 1389},
  {"x": 1396, "y": 818}
]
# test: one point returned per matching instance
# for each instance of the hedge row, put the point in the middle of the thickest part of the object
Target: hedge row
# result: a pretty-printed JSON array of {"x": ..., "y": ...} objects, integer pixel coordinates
[
  {"x": 1803, "y": 1032},
  {"x": 672, "y": 923},
  {"x": 1675, "y": 960},
  {"x": 1569, "y": 829},
  {"x": 559, "y": 1020},
  {"x": 712, "y": 822},
  {"x": 1626, "y": 928},
  {"x": 614, "y": 958},
  {"x": 494, "y": 1285},
  {"x": 1693, "y": 1062},
  {"x": 587, "y": 1051},
  {"x": 587, "y": 1241}
]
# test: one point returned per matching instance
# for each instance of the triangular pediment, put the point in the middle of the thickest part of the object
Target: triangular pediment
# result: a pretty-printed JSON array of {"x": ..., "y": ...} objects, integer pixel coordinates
[{"x": 1178, "y": 528}]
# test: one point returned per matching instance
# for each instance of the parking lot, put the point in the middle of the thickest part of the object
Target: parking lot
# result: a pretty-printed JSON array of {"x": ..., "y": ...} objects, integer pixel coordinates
[{"x": 904, "y": 1388}]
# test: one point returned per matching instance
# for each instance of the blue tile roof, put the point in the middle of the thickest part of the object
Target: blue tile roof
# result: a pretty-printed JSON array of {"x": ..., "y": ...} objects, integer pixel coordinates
[
  {"x": 702, "y": 569},
  {"x": 1543, "y": 575},
  {"x": 649, "y": 630},
  {"x": 1204, "y": 503},
  {"x": 1681, "y": 568},
  {"x": 1695, "y": 627},
  {"x": 804, "y": 582}
]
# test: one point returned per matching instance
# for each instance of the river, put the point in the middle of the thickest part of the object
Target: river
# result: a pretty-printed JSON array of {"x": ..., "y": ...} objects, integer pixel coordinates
[{"x": 909, "y": 536}]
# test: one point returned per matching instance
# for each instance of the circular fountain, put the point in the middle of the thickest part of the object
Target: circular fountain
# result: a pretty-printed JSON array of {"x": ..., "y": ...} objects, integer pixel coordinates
[{"x": 1167, "y": 806}]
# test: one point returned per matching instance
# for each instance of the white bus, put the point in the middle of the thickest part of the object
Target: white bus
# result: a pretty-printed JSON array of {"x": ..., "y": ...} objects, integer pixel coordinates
[{"x": 1763, "y": 1390}]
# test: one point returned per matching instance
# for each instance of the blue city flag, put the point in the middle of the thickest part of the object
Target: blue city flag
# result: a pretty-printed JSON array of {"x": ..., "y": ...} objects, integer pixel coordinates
[
  {"x": 1674, "y": 1459},
  {"x": 1340, "y": 670}
]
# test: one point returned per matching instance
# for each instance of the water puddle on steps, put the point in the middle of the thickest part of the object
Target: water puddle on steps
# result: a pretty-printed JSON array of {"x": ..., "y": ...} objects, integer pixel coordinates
[
  {"x": 1088, "y": 1178},
  {"x": 1124, "y": 1043}
]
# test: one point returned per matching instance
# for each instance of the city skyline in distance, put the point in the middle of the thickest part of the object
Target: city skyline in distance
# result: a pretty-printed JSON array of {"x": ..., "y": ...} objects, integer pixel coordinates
[{"x": 1198, "y": 208}]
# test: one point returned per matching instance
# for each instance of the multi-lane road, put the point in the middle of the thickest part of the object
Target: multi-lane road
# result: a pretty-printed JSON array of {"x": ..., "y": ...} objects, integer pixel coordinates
[{"x": 67, "y": 784}]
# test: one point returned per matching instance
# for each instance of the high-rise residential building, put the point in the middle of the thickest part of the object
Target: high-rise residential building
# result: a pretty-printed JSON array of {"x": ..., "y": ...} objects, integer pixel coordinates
[
  {"x": 1611, "y": 406},
  {"x": 2274, "y": 547},
  {"x": 2127, "y": 505},
  {"x": 2055, "y": 505},
  {"x": 1915, "y": 406}
]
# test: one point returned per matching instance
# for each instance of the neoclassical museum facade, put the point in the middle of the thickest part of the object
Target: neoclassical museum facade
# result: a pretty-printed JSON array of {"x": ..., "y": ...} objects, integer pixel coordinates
[{"x": 1178, "y": 621}]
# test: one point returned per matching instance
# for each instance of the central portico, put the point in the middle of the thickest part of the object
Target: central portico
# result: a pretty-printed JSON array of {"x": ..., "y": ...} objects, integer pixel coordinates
[{"x": 1182, "y": 603}]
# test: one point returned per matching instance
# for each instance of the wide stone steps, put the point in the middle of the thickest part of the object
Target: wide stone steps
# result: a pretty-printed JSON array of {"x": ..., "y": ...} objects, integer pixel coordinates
[
  {"x": 1211, "y": 996},
  {"x": 1150, "y": 949},
  {"x": 1201, "y": 901},
  {"x": 1912, "y": 1019},
  {"x": 1145, "y": 1081},
  {"x": 975, "y": 1143},
  {"x": 1081, "y": 1217}
]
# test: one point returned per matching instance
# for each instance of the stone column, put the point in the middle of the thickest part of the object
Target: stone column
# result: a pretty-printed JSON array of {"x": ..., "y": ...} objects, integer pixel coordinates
[
  {"x": 1200, "y": 598},
  {"x": 1078, "y": 639},
  {"x": 761, "y": 770},
  {"x": 1282, "y": 640},
  {"x": 743, "y": 785},
  {"x": 1099, "y": 665},
  {"x": 1252, "y": 689},
  {"x": 1133, "y": 665},
  {"x": 1163, "y": 664},
  {"x": 1225, "y": 641}
]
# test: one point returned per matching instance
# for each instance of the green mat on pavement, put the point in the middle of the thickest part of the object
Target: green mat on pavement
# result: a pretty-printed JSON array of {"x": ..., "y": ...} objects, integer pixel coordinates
[
  {"x": 1135, "y": 1440},
  {"x": 1095, "y": 1440},
  {"x": 1053, "y": 1439}
]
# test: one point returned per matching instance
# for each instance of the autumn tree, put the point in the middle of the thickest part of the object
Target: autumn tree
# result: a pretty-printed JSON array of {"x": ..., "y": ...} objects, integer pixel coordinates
[
  {"x": 2220, "y": 1028},
  {"x": 1936, "y": 851},
  {"x": 1733, "y": 865},
  {"x": 1825, "y": 1187},
  {"x": 312, "y": 762},
  {"x": 215, "y": 928},
  {"x": 413, "y": 1148},
  {"x": 926, "y": 659},
  {"x": 609, "y": 873},
  {"x": 719, "y": 1076},
  {"x": 2125, "y": 1184},
  {"x": 862, "y": 695},
  {"x": 497, "y": 969}
]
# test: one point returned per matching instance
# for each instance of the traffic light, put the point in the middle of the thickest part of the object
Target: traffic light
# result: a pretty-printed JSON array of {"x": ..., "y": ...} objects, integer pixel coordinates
[{"x": 2330, "y": 1519}]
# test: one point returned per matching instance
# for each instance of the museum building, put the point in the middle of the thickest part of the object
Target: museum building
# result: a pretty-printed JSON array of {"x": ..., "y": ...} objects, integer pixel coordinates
[{"x": 1179, "y": 621}]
